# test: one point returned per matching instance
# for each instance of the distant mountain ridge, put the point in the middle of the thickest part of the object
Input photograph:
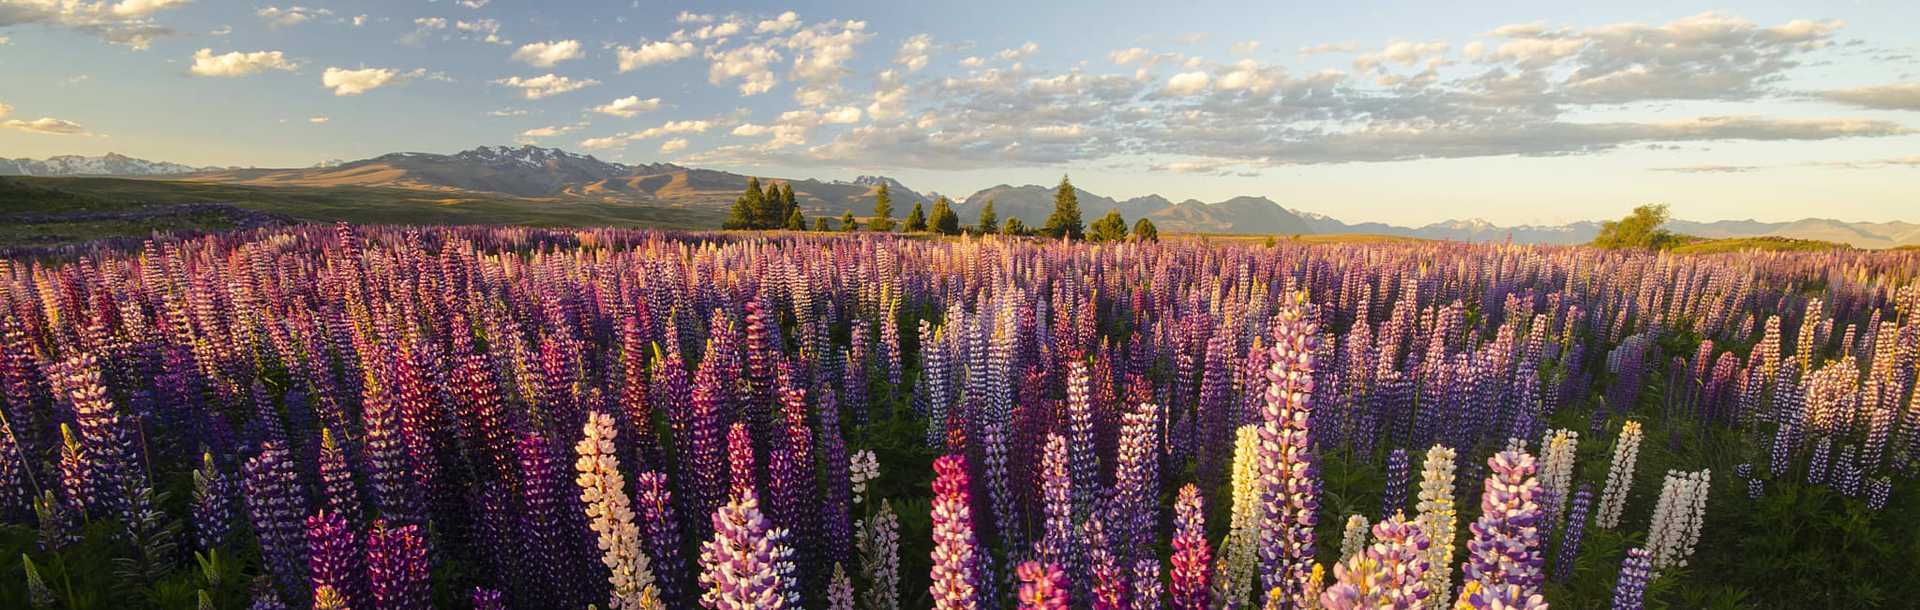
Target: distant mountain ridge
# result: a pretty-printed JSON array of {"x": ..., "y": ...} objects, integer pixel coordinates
[{"x": 538, "y": 173}]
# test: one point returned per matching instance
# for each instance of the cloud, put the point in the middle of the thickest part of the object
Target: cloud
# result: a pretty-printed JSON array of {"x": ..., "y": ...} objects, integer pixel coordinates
[
  {"x": 914, "y": 53},
  {"x": 749, "y": 64},
  {"x": 546, "y": 54},
  {"x": 1127, "y": 56},
  {"x": 673, "y": 127},
  {"x": 1330, "y": 47},
  {"x": 545, "y": 85},
  {"x": 346, "y": 82},
  {"x": 473, "y": 4},
  {"x": 1897, "y": 96},
  {"x": 1895, "y": 162},
  {"x": 673, "y": 146},
  {"x": 820, "y": 52},
  {"x": 479, "y": 30},
  {"x": 691, "y": 17},
  {"x": 277, "y": 17},
  {"x": 549, "y": 131},
  {"x": 651, "y": 53},
  {"x": 1244, "y": 47},
  {"x": 318, "y": 120},
  {"x": 1709, "y": 169},
  {"x": 1193, "y": 38},
  {"x": 1188, "y": 83},
  {"x": 629, "y": 106},
  {"x": 604, "y": 143},
  {"x": 504, "y": 112},
  {"x": 236, "y": 63},
  {"x": 1018, "y": 53},
  {"x": 129, "y": 22},
  {"x": 786, "y": 21},
  {"x": 42, "y": 125}
]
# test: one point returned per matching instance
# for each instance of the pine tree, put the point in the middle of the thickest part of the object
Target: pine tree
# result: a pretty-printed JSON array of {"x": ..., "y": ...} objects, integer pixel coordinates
[
  {"x": 796, "y": 221},
  {"x": 882, "y": 211},
  {"x": 776, "y": 207},
  {"x": 823, "y": 224},
  {"x": 846, "y": 222},
  {"x": 1145, "y": 231},
  {"x": 1065, "y": 221},
  {"x": 755, "y": 205},
  {"x": 1014, "y": 227},
  {"x": 786, "y": 197},
  {"x": 1110, "y": 227},
  {"x": 944, "y": 221},
  {"x": 989, "y": 221},
  {"x": 916, "y": 219}
]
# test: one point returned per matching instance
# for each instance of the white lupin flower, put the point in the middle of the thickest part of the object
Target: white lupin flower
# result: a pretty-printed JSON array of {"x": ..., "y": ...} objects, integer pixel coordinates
[
  {"x": 1613, "y": 500},
  {"x": 1354, "y": 541},
  {"x": 1678, "y": 517},
  {"x": 1437, "y": 519},
  {"x": 1238, "y": 551},
  {"x": 862, "y": 467},
  {"x": 1556, "y": 470},
  {"x": 604, "y": 493}
]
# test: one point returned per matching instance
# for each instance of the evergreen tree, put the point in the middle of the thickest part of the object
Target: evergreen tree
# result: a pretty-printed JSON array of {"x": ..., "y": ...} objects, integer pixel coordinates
[
  {"x": 989, "y": 221},
  {"x": 776, "y": 207},
  {"x": 916, "y": 220},
  {"x": 747, "y": 211},
  {"x": 1014, "y": 227},
  {"x": 1145, "y": 231},
  {"x": 796, "y": 221},
  {"x": 823, "y": 224},
  {"x": 786, "y": 198},
  {"x": 882, "y": 211},
  {"x": 1065, "y": 221},
  {"x": 944, "y": 221},
  {"x": 846, "y": 222},
  {"x": 1109, "y": 228}
]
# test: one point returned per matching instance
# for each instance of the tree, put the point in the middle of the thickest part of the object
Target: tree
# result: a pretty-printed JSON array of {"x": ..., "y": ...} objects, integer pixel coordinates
[
  {"x": 796, "y": 221},
  {"x": 1014, "y": 227},
  {"x": 822, "y": 224},
  {"x": 1109, "y": 228},
  {"x": 748, "y": 210},
  {"x": 775, "y": 214},
  {"x": 989, "y": 221},
  {"x": 882, "y": 211},
  {"x": 786, "y": 198},
  {"x": 846, "y": 222},
  {"x": 916, "y": 219},
  {"x": 944, "y": 221},
  {"x": 1640, "y": 230},
  {"x": 1065, "y": 221},
  {"x": 1145, "y": 231}
]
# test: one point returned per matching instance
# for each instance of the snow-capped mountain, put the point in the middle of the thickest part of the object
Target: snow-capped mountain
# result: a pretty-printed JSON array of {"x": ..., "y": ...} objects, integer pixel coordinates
[{"x": 110, "y": 164}]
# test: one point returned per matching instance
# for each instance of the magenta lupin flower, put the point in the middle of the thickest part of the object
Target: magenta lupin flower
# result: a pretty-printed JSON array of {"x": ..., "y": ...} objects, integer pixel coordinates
[
  {"x": 1192, "y": 557},
  {"x": 1043, "y": 586},
  {"x": 334, "y": 558},
  {"x": 397, "y": 567},
  {"x": 955, "y": 565},
  {"x": 746, "y": 566},
  {"x": 654, "y": 503},
  {"x": 741, "y": 480}
]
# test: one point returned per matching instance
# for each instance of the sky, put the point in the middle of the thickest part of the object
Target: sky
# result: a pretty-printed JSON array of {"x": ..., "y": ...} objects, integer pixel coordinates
[{"x": 1515, "y": 112}]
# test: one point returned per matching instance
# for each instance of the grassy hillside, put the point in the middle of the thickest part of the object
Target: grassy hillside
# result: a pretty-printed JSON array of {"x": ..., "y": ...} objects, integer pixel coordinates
[
  {"x": 1757, "y": 244},
  {"x": 33, "y": 208}
]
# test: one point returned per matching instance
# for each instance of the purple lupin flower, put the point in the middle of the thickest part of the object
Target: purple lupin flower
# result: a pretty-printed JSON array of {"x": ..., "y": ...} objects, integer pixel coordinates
[
  {"x": 955, "y": 566},
  {"x": 397, "y": 567},
  {"x": 1057, "y": 544},
  {"x": 1136, "y": 481},
  {"x": 746, "y": 566},
  {"x": 1630, "y": 592},
  {"x": 655, "y": 506},
  {"x": 1043, "y": 586},
  {"x": 395, "y": 487},
  {"x": 1085, "y": 463},
  {"x": 337, "y": 490},
  {"x": 487, "y": 599},
  {"x": 547, "y": 524},
  {"x": 276, "y": 504},
  {"x": 106, "y": 435},
  {"x": 703, "y": 456},
  {"x": 1145, "y": 592},
  {"x": 334, "y": 557},
  {"x": 1109, "y": 581},
  {"x": 1505, "y": 555},
  {"x": 836, "y": 524},
  {"x": 1192, "y": 558},
  {"x": 1575, "y": 530},
  {"x": 1285, "y": 461},
  {"x": 1394, "y": 498},
  {"x": 212, "y": 504},
  {"x": 741, "y": 479},
  {"x": 1390, "y": 573}
]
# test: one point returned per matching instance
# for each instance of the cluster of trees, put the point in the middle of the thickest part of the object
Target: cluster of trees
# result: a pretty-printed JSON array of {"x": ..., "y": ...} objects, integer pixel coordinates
[
  {"x": 775, "y": 208},
  {"x": 1639, "y": 230}
]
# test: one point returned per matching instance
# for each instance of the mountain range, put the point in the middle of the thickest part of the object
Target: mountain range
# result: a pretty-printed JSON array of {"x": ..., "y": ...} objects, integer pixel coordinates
[{"x": 536, "y": 173}]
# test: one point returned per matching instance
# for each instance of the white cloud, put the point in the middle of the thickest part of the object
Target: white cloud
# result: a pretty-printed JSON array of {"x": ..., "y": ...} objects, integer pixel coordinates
[
  {"x": 673, "y": 146},
  {"x": 5, "y": 41},
  {"x": 546, "y": 54},
  {"x": 508, "y": 112},
  {"x": 277, "y": 17},
  {"x": 820, "y": 52},
  {"x": 1018, "y": 53},
  {"x": 1244, "y": 47},
  {"x": 841, "y": 116},
  {"x": 786, "y": 21},
  {"x": 1187, "y": 83},
  {"x": 236, "y": 63},
  {"x": 1897, "y": 96},
  {"x": 673, "y": 127},
  {"x": 42, "y": 125},
  {"x": 748, "y": 64},
  {"x": 1127, "y": 56},
  {"x": 691, "y": 17},
  {"x": 629, "y": 106},
  {"x": 129, "y": 22},
  {"x": 484, "y": 30},
  {"x": 318, "y": 120},
  {"x": 914, "y": 52},
  {"x": 549, "y": 131},
  {"x": 651, "y": 53},
  {"x": 474, "y": 4},
  {"x": 972, "y": 62},
  {"x": 1330, "y": 47},
  {"x": 355, "y": 82},
  {"x": 545, "y": 85},
  {"x": 720, "y": 30},
  {"x": 604, "y": 143}
]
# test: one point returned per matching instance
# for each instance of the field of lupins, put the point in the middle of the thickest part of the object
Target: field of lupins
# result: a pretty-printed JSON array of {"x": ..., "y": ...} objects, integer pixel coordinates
[{"x": 399, "y": 418}]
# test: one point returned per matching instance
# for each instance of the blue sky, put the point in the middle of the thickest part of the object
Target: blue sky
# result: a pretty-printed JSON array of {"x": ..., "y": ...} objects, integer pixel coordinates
[{"x": 1516, "y": 112}]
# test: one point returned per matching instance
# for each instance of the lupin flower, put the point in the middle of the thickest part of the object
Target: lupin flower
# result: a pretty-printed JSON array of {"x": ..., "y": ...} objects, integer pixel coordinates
[
  {"x": 1630, "y": 592},
  {"x": 1393, "y": 498},
  {"x": 1043, "y": 586},
  {"x": 604, "y": 493},
  {"x": 655, "y": 511},
  {"x": 1556, "y": 473},
  {"x": 862, "y": 467},
  {"x": 1506, "y": 554},
  {"x": 276, "y": 504},
  {"x": 1057, "y": 544},
  {"x": 1575, "y": 531},
  {"x": 487, "y": 599},
  {"x": 397, "y": 567},
  {"x": 1391, "y": 573},
  {"x": 956, "y": 569},
  {"x": 1286, "y": 462},
  {"x": 878, "y": 541},
  {"x": 1191, "y": 556},
  {"x": 1438, "y": 518},
  {"x": 212, "y": 505},
  {"x": 334, "y": 558},
  {"x": 1145, "y": 592},
  {"x": 543, "y": 495},
  {"x": 840, "y": 589},
  {"x": 38, "y": 594},
  {"x": 1239, "y": 552},
  {"x": 746, "y": 565},
  {"x": 740, "y": 469},
  {"x": 1613, "y": 501},
  {"x": 1084, "y": 462},
  {"x": 337, "y": 490},
  {"x": 1678, "y": 517},
  {"x": 1353, "y": 540}
]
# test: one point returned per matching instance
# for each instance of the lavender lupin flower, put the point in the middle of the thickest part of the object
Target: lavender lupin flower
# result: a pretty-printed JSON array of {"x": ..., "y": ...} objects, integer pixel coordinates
[
  {"x": 746, "y": 566},
  {"x": 1630, "y": 592},
  {"x": 1506, "y": 554},
  {"x": 276, "y": 504},
  {"x": 1286, "y": 464}
]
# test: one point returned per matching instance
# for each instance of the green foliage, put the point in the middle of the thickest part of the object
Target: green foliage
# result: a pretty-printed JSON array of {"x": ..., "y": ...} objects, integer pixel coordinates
[
  {"x": 916, "y": 220},
  {"x": 989, "y": 221},
  {"x": 1145, "y": 231},
  {"x": 1064, "y": 223},
  {"x": 796, "y": 221},
  {"x": 847, "y": 223},
  {"x": 1014, "y": 227},
  {"x": 823, "y": 224},
  {"x": 1757, "y": 244},
  {"x": 1639, "y": 230},
  {"x": 882, "y": 211},
  {"x": 944, "y": 221},
  {"x": 1110, "y": 227}
]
